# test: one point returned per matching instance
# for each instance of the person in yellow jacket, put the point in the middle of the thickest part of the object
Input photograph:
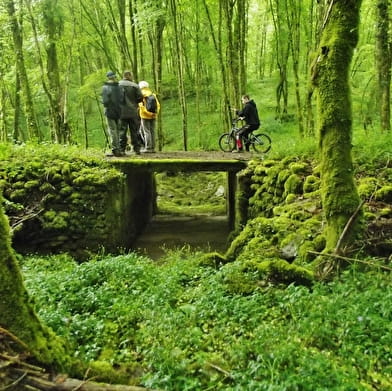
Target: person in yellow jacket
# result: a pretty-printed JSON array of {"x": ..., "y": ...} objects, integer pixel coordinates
[{"x": 148, "y": 111}]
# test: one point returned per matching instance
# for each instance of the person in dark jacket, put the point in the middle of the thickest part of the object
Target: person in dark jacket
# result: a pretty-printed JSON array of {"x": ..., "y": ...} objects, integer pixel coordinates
[
  {"x": 252, "y": 122},
  {"x": 111, "y": 98},
  {"x": 131, "y": 96}
]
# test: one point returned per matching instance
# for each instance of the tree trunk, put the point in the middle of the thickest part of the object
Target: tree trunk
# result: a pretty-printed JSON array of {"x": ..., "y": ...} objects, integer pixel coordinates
[
  {"x": 293, "y": 17},
  {"x": 17, "y": 35},
  {"x": 312, "y": 42},
  {"x": 282, "y": 45},
  {"x": 155, "y": 36},
  {"x": 235, "y": 22},
  {"x": 218, "y": 46},
  {"x": 330, "y": 74},
  {"x": 16, "y": 312},
  {"x": 18, "y": 134},
  {"x": 54, "y": 89},
  {"x": 134, "y": 40},
  {"x": 179, "y": 61},
  {"x": 383, "y": 59}
]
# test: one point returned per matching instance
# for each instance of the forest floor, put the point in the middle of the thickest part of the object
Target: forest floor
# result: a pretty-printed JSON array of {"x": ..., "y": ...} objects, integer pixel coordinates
[{"x": 166, "y": 232}]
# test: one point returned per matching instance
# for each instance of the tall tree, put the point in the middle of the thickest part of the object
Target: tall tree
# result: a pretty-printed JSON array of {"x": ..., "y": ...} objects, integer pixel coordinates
[
  {"x": 235, "y": 22},
  {"x": 215, "y": 28},
  {"x": 312, "y": 38},
  {"x": 155, "y": 29},
  {"x": 15, "y": 23},
  {"x": 179, "y": 66},
  {"x": 331, "y": 77},
  {"x": 384, "y": 61},
  {"x": 293, "y": 18},
  {"x": 282, "y": 51},
  {"x": 134, "y": 40},
  {"x": 53, "y": 83}
]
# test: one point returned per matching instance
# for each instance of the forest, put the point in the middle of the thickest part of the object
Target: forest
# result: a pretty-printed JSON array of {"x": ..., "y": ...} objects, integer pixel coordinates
[
  {"x": 199, "y": 56},
  {"x": 301, "y": 299}
]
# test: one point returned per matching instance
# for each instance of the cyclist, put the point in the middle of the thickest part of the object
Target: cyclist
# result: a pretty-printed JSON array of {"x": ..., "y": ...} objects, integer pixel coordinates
[{"x": 252, "y": 122}]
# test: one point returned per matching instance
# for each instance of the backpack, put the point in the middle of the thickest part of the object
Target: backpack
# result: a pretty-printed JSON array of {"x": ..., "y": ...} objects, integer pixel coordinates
[{"x": 151, "y": 103}]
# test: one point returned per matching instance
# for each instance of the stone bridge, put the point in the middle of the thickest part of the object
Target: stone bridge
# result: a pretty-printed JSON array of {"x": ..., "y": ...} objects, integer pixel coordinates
[{"x": 141, "y": 168}]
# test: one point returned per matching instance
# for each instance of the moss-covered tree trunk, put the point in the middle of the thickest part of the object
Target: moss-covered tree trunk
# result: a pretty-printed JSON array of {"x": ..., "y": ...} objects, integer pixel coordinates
[
  {"x": 384, "y": 61},
  {"x": 331, "y": 77},
  {"x": 16, "y": 312}
]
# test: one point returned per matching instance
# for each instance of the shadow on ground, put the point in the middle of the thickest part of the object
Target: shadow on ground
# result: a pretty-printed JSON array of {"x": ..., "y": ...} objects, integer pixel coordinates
[{"x": 168, "y": 232}]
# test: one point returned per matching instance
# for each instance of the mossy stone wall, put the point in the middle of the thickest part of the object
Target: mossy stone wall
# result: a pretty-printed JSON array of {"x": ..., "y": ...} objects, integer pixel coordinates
[
  {"x": 280, "y": 213},
  {"x": 80, "y": 207}
]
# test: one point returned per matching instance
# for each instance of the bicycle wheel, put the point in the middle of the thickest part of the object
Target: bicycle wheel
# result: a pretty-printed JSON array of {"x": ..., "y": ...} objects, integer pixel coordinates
[
  {"x": 261, "y": 142},
  {"x": 227, "y": 142}
]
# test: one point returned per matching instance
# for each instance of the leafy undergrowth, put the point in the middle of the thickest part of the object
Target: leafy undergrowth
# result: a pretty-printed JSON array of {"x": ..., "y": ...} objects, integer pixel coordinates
[{"x": 179, "y": 325}]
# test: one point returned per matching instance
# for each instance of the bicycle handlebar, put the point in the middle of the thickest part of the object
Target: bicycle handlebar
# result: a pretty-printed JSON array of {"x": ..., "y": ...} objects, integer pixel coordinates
[{"x": 237, "y": 119}]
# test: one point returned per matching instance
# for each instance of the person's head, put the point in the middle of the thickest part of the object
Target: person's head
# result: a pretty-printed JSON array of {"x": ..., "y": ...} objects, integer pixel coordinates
[
  {"x": 127, "y": 75},
  {"x": 143, "y": 84},
  {"x": 111, "y": 75},
  {"x": 245, "y": 98}
]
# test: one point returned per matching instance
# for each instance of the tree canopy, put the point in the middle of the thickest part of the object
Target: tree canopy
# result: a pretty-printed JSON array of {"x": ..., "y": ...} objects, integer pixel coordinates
[{"x": 207, "y": 53}]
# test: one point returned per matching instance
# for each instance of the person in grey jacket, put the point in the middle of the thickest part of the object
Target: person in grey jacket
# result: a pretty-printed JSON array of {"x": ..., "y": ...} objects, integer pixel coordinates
[
  {"x": 131, "y": 96},
  {"x": 111, "y": 99}
]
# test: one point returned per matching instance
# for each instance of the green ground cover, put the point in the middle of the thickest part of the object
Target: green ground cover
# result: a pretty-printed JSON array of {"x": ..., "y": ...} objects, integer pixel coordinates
[{"x": 177, "y": 325}]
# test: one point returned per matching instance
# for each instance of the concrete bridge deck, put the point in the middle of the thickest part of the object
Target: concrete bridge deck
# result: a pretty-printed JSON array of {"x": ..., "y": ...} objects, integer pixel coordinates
[{"x": 185, "y": 161}]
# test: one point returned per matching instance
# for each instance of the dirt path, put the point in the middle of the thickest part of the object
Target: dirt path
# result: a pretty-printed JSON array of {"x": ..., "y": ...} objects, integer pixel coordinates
[{"x": 207, "y": 233}]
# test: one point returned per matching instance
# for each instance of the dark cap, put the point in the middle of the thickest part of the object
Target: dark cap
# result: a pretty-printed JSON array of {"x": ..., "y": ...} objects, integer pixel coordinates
[{"x": 110, "y": 74}]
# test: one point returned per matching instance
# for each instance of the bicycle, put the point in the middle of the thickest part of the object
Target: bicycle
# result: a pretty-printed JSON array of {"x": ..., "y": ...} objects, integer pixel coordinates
[{"x": 260, "y": 142}]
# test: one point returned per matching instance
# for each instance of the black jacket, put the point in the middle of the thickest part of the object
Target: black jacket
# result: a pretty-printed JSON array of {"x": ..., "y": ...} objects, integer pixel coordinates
[
  {"x": 249, "y": 112},
  {"x": 111, "y": 99},
  {"x": 131, "y": 96}
]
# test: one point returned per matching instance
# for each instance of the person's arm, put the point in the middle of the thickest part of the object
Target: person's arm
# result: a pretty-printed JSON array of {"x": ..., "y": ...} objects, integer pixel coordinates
[
  {"x": 105, "y": 96},
  {"x": 240, "y": 113},
  {"x": 243, "y": 113},
  {"x": 139, "y": 95}
]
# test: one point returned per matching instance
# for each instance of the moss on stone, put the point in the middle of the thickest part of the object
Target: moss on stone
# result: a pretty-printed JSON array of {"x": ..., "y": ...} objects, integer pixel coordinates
[
  {"x": 290, "y": 198},
  {"x": 47, "y": 187},
  {"x": 20, "y": 184},
  {"x": 245, "y": 277},
  {"x": 55, "y": 220},
  {"x": 213, "y": 259},
  {"x": 18, "y": 195},
  {"x": 293, "y": 185},
  {"x": 283, "y": 175},
  {"x": 384, "y": 194},
  {"x": 299, "y": 168},
  {"x": 311, "y": 184},
  {"x": 367, "y": 187},
  {"x": 31, "y": 184},
  {"x": 280, "y": 271},
  {"x": 386, "y": 212}
]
